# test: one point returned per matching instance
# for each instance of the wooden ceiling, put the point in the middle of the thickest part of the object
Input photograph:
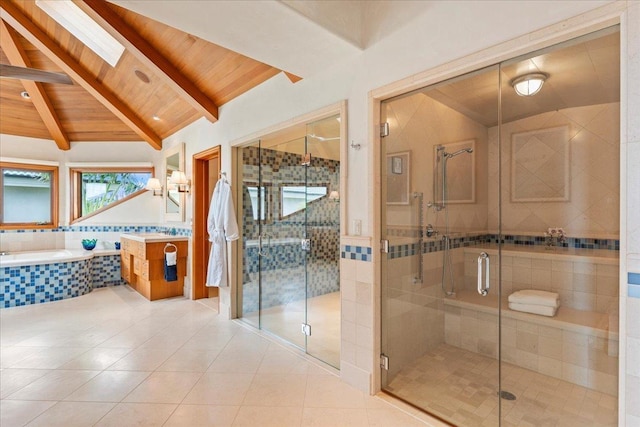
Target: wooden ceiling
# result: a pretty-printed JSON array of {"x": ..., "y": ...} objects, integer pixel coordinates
[{"x": 188, "y": 78}]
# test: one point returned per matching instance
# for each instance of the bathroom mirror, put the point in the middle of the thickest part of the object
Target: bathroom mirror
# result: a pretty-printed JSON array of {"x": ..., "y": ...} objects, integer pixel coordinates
[{"x": 174, "y": 200}]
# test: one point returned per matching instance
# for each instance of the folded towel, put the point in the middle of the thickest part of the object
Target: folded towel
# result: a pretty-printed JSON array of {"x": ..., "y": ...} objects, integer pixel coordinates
[
  {"x": 535, "y": 297},
  {"x": 171, "y": 257},
  {"x": 534, "y": 309},
  {"x": 170, "y": 272}
]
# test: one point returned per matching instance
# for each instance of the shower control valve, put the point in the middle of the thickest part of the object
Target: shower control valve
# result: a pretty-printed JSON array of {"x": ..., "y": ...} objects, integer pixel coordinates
[{"x": 431, "y": 231}]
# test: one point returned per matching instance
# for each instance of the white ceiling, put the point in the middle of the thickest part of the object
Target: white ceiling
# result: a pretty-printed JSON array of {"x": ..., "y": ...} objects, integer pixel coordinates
[{"x": 584, "y": 71}]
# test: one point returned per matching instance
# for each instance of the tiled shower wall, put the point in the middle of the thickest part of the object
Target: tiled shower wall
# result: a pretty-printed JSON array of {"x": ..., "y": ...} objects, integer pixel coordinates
[
  {"x": 417, "y": 124},
  {"x": 593, "y": 205}
]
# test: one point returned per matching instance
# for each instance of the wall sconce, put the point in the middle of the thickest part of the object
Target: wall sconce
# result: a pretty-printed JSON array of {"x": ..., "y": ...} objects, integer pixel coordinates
[
  {"x": 181, "y": 182},
  {"x": 335, "y": 196},
  {"x": 154, "y": 185}
]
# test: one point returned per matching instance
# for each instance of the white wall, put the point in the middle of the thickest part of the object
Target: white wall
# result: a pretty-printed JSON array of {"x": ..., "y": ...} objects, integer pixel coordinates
[{"x": 147, "y": 208}]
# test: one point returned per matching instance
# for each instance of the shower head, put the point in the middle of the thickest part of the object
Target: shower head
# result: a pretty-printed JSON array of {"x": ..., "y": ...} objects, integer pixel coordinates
[{"x": 450, "y": 155}]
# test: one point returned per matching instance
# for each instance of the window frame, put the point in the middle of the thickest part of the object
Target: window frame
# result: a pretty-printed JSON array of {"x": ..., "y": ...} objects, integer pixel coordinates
[
  {"x": 75, "y": 188},
  {"x": 55, "y": 195}
]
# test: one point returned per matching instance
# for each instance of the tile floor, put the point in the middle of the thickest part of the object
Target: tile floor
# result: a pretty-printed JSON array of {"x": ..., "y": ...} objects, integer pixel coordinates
[
  {"x": 112, "y": 358},
  {"x": 460, "y": 386}
]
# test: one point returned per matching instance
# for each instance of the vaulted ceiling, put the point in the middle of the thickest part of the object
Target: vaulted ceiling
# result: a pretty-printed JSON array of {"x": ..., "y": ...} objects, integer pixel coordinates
[{"x": 164, "y": 72}]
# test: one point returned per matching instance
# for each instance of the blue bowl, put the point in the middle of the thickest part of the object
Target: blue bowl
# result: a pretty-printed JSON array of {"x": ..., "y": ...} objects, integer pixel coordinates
[{"x": 89, "y": 244}]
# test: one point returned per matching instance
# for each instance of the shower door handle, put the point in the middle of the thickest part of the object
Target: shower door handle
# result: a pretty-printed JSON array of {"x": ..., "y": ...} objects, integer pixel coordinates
[
  {"x": 261, "y": 251},
  {"x": 483, "y": 289}
]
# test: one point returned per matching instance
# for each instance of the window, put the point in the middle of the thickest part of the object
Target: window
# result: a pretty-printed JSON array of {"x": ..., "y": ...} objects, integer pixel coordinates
[
  {"x": 255, "y": 197},
  {"x": 295, "y": 198},
  {"x": 29, "y": 195},
  {"x": 95, "y": 190}
]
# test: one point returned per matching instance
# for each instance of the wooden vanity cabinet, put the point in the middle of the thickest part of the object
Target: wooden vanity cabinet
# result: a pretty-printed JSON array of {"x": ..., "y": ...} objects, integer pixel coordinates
[{"x": 142, "y": 266}]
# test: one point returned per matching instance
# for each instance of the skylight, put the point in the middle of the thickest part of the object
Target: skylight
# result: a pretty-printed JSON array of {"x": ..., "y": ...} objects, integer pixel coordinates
[{"x": 85, "y": 29}]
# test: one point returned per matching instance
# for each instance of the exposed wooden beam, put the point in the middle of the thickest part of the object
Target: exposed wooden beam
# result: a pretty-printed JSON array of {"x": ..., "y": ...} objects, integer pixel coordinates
[
  {"x": 27, "y": 29},
  {"x": 159, "y": 65},
  {"x": 17, "y": 56},
  {"x": 292, "y": 77}
]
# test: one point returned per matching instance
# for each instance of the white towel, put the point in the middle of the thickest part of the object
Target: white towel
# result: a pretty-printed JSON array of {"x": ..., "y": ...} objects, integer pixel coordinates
[
  {"x": 535, "y": 297},
  {"x": 534, "y": 309},
  {"x": 171, "y": 258}
]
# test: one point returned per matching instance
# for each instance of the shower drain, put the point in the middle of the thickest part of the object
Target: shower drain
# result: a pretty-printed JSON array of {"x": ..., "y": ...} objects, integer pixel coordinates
[{"x": 506, "y": 395}]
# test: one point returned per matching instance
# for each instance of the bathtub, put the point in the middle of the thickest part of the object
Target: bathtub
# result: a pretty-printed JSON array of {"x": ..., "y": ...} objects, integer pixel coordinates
[{"x": 43, "y": 276}]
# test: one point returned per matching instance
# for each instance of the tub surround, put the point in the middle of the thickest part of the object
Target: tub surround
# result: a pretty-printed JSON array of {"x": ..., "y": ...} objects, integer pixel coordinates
[{"x": 44, "y": 276}]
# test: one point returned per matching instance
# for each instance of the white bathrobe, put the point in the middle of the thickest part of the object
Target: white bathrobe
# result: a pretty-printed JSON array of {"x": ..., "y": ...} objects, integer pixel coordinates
[{"x": 222, "y": 228}]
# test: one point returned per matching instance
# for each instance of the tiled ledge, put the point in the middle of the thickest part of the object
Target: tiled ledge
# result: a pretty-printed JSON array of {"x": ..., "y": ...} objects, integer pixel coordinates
[{"x": 120, "y": 228}]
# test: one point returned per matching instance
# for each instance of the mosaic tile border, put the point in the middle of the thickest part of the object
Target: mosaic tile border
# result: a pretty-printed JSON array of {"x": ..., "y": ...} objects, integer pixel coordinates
[
  {"x": 572, "y": 242},
  {"x": 429, "y": 246},
  {"x": 105, "y": 229},
  {"x": 633, "y": 285},
  {"x": 358, "y": 253}
]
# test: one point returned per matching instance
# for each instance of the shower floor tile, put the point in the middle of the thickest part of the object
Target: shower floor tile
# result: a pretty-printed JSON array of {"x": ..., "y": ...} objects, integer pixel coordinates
[{"x": 461, "y": 387}]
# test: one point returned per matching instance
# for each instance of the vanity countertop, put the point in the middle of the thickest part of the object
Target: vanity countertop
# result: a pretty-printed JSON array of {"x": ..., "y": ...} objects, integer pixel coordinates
[{"x": 154, "y": 237}]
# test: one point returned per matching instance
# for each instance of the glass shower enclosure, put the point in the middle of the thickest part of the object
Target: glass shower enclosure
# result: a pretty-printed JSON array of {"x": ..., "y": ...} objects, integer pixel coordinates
[
  {"x": 290, "y": 220},
  {"x": 499, "y": 290}
]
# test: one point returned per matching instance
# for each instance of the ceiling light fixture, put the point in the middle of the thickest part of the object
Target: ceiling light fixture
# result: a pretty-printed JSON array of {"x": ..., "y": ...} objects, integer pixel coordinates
[
  {"x": 529, "y": 84},
  {"x": 85, "y": 29},
  {"x": 25, "y": 94},
  {"x": 156, "y": 117}
]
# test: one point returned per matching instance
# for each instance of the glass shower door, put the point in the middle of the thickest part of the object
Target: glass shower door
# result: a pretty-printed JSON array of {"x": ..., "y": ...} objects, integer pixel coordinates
[
  {"x": 252, "y": 212},
  {"x": 283, "y": 266},
  {"x": 439, "y": 354},
  {"x": 323, "y": 234}
]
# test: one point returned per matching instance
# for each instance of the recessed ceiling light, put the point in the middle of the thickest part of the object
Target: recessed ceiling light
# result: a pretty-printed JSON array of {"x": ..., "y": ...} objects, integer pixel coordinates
[
  {"x": 25, "y": 94},
  {"x": 156, "y": 117},
  {"x": 85, "y": 29},
  {"x": 142, "y": 76}
]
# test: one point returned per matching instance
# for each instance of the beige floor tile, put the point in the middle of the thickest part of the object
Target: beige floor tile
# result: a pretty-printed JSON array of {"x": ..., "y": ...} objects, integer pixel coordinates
[
  {"x": 168, "y": 341},
  {"x": 189, "y": 360},
  {"x": 137, "y": 414},
  {"x": 202, "y": 416},
  {"x": 264, "y": 416},
  {"x": 49, "y": 357},
  {"x": 330, "y": 417},
  {"x": 389, "y": 417},
  {"x": 97, "y": 358},
  {"x": 67, "y": 414},
  {"x": 127, "y": 339},
  {"x": 276, "y": 390},
  {"x": 9, "y": 356},
  {"x": 238, "y": 361},
  {"x": 54, "y": 386},
  {"x": 16, "y": 413},
  {"x": 108, "y": 386},
  {"x": 164, "y": 387},
  {"x": 49, "y": 338},
  {"x": 142, "y": 359},
  {"x": 278, "y": 360},
  {"x": 330, "y": 392},
  {"x": 12, "y": 380},
  {"x": 219, "y": 389}
]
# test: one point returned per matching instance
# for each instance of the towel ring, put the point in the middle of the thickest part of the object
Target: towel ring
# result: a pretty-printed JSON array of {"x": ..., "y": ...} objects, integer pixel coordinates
[{"x": 170, "y": 245}]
